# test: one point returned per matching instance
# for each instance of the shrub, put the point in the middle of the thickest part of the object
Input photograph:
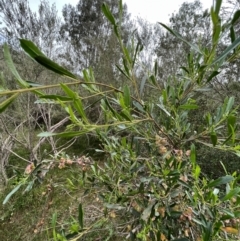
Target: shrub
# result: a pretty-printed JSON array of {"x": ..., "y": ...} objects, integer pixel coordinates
[{"x": 151, "y": 184}]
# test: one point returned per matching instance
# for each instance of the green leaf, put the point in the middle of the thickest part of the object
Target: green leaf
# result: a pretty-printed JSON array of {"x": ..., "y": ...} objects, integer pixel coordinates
[
  {"x": 155, "y": 68},
  {"x": 7, "y": 102},
  {"x": 11, "y": 66},
  {"x": 54, "y": 220},
  {"x": 227, "y": 51},
  {"x": 188, "y": 107},
  {"x": 11, "y": 193},
  {"x": 123, "y": 72},
  {"x": 231, "y": 122},
  {"x": 49, "y": 64},
  {"x": 229, "y": 105},
  {"x": 32, "y": 50},
  {"x": 33, "y": 84},
  {"x": 138, "y": 106},
  {"x": 213, "y": 138},
  {"x": 29, "y": 187},
  {"x": 221, "y": 181},
  {"x": 77, "y": 102},
  {"x": 153, "y": 80},
  {"x": 212, "y": 75},
  {"x": 138, "y": 48},
  {"x": 185, "y": 69},
  {"x": 231, "y": 194},
  {"x": 232, "y": 34},
  {"x": 218, "y": 4},
  {"x": 108, "y": 14},
  {"x": 176, "y": 34},
  {"x": 236, "y": 16},
  {"x": 80, "y": 215},
  {"x": 197, "y": 171},
  {"x": 55, "y": 97},
  {"x": 127, "y": 97}
]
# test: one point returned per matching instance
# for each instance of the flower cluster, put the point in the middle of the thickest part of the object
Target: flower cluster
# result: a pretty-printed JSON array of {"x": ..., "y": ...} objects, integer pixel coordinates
[
  {"x": 82, "y": 161},
  {"x": 30, "y": 167},
  {"x": 162, "y": 144},
  {"x": 64, "y": 161}
]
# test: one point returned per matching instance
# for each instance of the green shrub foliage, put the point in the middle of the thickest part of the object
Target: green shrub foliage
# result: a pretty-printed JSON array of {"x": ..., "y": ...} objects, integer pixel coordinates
[{"x": 151, "y": 183}]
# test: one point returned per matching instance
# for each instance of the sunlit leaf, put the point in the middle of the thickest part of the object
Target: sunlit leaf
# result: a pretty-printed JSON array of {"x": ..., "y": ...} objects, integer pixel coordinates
[{"x": 230, "y": 230}]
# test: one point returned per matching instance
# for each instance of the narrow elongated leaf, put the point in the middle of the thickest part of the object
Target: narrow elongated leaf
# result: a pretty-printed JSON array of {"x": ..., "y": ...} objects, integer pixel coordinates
[
  {"x": 197, "y": 171},
  {"x": 11, "y": 193},
  {"x": 7, "y": 102},
  {"x": 108, "y": 14},
  {"x": 29, "y": 186},
  {"x": 12, "y": 67},
  {"x": 221, "y": 181},
  {"x": 80, "y": 215},
  {"x": 49, "y": 64},
  {"x": 227, "y": 51},
  {"x": 231, "y": 194},
  {"x": 32, "y": 50},
  {"x": 236, "y": 16},
  {"x": 138, "y": 106},
  {"x": 229, "y": 105},
  {"x": 155, "y": 68},
  {"x": 189, "y": 107},
  {"x": 123, "y": 72},
  {"x": 127, "y": 97},
  {"x": 33, "y": 84},
  {"x": 153, "y": 80},
  {"x": 231, "y": 122},
  {"x": 135, "y": 54},
  {"x": 56, "y": 97},
  {"x": 232, "y": 34},
  {"x": 212, "y": 75},
  {"x": 214, "y": 138},
  {"x": 179, "y": 36},
  {"x": 218, "y": 4}
]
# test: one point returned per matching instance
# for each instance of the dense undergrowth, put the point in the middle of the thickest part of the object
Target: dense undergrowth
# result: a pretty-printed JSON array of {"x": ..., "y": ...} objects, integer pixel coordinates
[{"x": 147, "y": 183}]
